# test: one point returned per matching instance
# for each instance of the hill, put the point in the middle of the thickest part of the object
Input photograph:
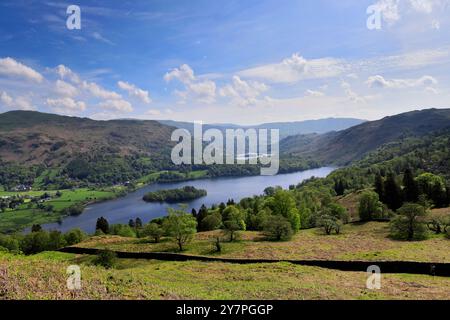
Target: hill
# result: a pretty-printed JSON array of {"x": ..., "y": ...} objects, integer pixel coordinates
[
  {"x": 102, "y": 151},
  {"x": 286, "y": 128},
  {"x": 346, "y": 146}
]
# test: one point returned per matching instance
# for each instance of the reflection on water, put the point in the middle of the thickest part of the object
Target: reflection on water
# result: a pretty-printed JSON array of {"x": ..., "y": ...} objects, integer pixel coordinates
[{"x": 131, "y": 206}]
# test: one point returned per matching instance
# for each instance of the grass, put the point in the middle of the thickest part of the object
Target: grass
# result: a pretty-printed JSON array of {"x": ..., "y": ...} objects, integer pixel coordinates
[
  {"x": 44, "y": 277},
  {"x": 367, "y": 241},
  {"x": 22, "y": 217}
]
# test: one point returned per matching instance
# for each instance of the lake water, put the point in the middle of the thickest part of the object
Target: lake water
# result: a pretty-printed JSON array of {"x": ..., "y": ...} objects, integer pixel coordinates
[{"x": 131, "y": 206}]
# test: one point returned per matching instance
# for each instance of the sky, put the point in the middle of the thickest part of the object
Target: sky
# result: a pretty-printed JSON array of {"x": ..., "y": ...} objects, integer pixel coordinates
[{"x": 228, "y": 61}]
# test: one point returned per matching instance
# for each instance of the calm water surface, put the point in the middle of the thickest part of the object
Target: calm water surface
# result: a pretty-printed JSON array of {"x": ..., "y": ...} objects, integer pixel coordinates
[{"x": 131, "y": 206}]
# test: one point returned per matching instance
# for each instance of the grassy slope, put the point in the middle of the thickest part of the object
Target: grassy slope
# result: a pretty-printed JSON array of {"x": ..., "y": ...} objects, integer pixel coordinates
[
  {"x": 357, "y": 242},
  {"x": 44, "y": 277}
]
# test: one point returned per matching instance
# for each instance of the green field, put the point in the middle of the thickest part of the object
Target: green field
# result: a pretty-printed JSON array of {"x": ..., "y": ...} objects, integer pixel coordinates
[
  {"x": 23, "y": 216},
  {"x": 44, "y": 276}
]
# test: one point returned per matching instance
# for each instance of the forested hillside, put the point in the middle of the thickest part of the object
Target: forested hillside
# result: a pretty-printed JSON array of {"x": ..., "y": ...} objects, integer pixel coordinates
[{"x": 352, "y": 144}]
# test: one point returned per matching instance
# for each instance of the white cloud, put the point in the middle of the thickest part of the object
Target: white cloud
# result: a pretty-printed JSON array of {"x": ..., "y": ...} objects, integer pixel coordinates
[
  {"x": 65, "y": 89},
  {"x": 66, "y": 105},
  {"x": 243, "y": 93},
  {"x": 20, "y": 103},
  {"x": 5, "y": 99},
  {"x": 116, "y": 105},
  {"x": 314, "y": 93},
  {"x": 10, "y": 67},
  {"x": 99, "y": 37},
  {"x": 135, "y": 91},
  {"x": 99, "y": 92},
  {"x": 352, "y": 95},
  {"x": 153, "y": 112},
  {"x": 393, "y": 10},
  {"x": 380, "y": 82},
  {"x": 296, "y": 68},
  {"x": 184, "y": 74},
  {"x": 203, "y": 91},
  {"x": 66, "y": 73}
]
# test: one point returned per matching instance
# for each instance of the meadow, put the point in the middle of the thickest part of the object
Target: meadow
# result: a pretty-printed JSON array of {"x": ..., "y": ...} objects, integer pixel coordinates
[
  {"x": 43, "y": 276},
  {"x": 359, "y": 241}
]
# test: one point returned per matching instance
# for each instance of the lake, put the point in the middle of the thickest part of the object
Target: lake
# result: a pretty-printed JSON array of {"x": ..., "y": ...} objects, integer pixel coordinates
[{"x": 131, "y": 206}]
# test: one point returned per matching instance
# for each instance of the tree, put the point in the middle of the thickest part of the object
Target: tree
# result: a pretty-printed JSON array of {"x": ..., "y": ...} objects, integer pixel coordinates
[
  {"x": 438, "y": 222},
  {"x": 56, "y": 240},
  {"x": 35, "y": 242},
  {"x": 370, "y": 206},
  {"x": 339, "y": 187},
  {"x": 201, "y": 214},
  {"x": 233, "y": 221},
  {"x": 379, "y": 187},
  {"x": 393, "y": 195},
  {"x": 36, "y": 228},
  {"x": 433, "y": 186},
  {"x": 132, "y": 224},
  {"x": 329, "y": 223},
  {"x": 278, "y": 228},
  {"x": 409, "y": 223},
  {"x": 283, "y": 203},
  {"x": 154, "y": 231},
  {"x": 181, "y": 226},
  {"x": 122, "y": 230},
  {"x": 411, "y": 190},
  {"x": 103, "y": 225},
  {"x": 74, "y": 236},
  {"x": 138, "y": 223},
  {"x": 211, "y": 222}
]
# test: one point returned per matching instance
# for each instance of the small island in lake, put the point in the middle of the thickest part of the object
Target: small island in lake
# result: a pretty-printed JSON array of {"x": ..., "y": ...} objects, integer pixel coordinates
[{"x": 175, "y": 195}]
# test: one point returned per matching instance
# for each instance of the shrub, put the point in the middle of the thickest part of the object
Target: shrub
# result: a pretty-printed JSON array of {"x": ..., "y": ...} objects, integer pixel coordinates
[
  {"x": 9, "y": 243},
  {"x": 74, "y": 236},
  {"x": 106, "y": 259},
  {"x": 122, "y": 230},
  {"x": 278, "y": 228}
]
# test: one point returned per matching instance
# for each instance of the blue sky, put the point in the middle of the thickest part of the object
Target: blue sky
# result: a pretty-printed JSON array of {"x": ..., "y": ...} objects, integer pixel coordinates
[{"x": 225, "y": 61}]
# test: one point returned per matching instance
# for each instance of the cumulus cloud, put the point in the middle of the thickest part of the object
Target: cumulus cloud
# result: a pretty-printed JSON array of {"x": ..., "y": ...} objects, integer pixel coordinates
[
  {"x": 184, "y": 74},
  {"x": 135, "y": 91},
  {"x": 20, "y": 103},
  {"x": 116, "y": 105},
  {"x": 66, "y": 73},
  {"x": 12, "y": 68},
  {"x": 66, "y": 105},
  {"x": 380, "y": 82},
  {"x": 98, "y": 92},
  {"x": 392, "y": 10},
  {"x": 296, "y": 68},
  {"x": 203, "y": 91},
  {"x": 243, "y": 93},
  {"x": 65, "y": 89}
]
